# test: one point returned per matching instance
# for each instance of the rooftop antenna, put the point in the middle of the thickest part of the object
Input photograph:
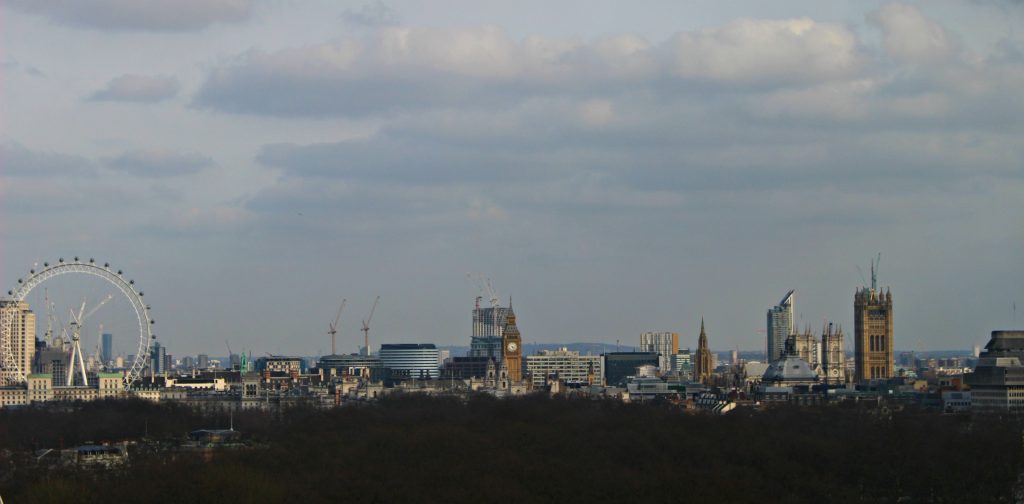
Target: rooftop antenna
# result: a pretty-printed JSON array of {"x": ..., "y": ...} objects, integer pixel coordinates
[{"x": 333, "y": 328}]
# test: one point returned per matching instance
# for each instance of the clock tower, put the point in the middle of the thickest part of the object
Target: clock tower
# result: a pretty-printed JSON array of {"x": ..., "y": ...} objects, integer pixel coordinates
[{"x": 512, "y": 347}]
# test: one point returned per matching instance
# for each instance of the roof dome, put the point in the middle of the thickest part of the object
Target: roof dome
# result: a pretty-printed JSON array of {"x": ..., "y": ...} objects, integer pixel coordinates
[{"x": 791, "y": 370}]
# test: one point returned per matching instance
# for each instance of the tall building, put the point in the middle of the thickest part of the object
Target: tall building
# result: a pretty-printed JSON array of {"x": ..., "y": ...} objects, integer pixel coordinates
[
  {"x": 512, "y": 347},
  {"x": 873, "y": 334},
  {"x": 410, "y": 360},
  {"x": 157, "y": 357},
  {"x": 780, "y": 326},
  {"x": 107, "y": 352},
  {"x": 703, "y": 362},
  {"x": 20, "y": 327},
  {"x": 488, "y": 326},
  {"x": 833, "y": 356},
  {"x": 665, "y": 343},
  {"x": 568, "y": 366},
  {"x": 203, "y": 361}
]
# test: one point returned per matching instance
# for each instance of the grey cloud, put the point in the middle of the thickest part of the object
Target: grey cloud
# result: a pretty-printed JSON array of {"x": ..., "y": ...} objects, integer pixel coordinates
[
  {"x": 911, "y": 36},
  {"x": 155, "y": 163},
  {"x": 20, "y": 161},
  {"x": 150, "y": 15},
  {"x": 138, "y": 88},
  {"x": 27, "y": 69},
  {"x": 374, "y": 14},
  {"x": 397, "y": 69}
]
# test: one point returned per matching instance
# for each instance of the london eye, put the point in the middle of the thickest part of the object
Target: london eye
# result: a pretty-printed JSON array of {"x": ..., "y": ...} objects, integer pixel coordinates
[{"x": 12, "y": 371}]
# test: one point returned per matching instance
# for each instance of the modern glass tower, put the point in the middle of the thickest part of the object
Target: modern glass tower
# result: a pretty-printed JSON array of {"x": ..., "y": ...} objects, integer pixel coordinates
[
  {"x": 780, "y": 326},
  {"x": 107, "y": 353}
]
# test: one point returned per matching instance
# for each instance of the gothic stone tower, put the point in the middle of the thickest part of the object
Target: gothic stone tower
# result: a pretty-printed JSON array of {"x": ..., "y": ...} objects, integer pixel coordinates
[
  {"x": 512, "y": 347},
  {"x": 833, "y": 356},
  {"x": 872, "y": 317},
  {"x": 703, "y": 362}
]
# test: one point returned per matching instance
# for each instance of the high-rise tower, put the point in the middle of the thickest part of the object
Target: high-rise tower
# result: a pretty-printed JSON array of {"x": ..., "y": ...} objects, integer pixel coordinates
[
  {"x": 488, "y": 324},
  {"x": 512, "y": 346},
  {"x": 873, "y": 334},
  {"x": 20, "y": 324},
  {"x": 702, "y": 363},
  {"x": 780, "y": 326},
  {"x": 666, "y": 343}
]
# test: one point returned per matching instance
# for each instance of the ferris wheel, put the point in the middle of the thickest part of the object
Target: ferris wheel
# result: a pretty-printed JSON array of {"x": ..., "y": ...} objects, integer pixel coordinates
[{"x": 11, "y": 371}]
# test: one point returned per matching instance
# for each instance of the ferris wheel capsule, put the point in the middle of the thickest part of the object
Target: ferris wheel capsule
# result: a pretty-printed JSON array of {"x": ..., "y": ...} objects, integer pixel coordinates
[
  {"x": 76, "y": 258},
  {"x": 32, "y": 271},
  {"x": 61, "y": 259},
  {"x": 92, "y": 261},
  {"x": 106, "y": 265}
]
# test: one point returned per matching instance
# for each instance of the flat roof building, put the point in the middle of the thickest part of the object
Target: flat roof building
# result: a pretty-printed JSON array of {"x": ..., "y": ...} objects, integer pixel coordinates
[
  {"x": 566, "y": 365},
  {"x": 411, "y": 360}
]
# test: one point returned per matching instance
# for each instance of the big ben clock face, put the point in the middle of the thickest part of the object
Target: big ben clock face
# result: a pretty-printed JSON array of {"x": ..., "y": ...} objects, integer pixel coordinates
[{"x": 512, "y": 346}]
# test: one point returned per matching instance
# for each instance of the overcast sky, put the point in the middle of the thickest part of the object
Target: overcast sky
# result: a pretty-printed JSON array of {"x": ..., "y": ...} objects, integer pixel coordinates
[{"x": 615, "y": 167}]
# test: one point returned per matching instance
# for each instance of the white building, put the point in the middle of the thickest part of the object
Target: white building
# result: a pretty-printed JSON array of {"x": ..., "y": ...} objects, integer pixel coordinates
[
  {"x": 20, "y": 327},
  {"x": 568, "y": 366},
  {"x": 665, "y": 343}
]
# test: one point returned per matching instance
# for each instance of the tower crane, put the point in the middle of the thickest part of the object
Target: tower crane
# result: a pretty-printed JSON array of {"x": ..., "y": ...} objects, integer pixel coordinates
[
  {"x": 76, "y": 346},
  {"x": 333, "y": 328},
  {"x": 366, "y": 326}
]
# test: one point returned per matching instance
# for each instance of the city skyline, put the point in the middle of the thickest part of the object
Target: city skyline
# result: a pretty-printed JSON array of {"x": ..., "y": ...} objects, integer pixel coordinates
[{"x": 628, "y": 170}]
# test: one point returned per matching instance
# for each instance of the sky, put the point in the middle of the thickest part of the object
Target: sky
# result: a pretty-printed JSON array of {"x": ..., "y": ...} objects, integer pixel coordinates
[{"x": 612, "y": 167}]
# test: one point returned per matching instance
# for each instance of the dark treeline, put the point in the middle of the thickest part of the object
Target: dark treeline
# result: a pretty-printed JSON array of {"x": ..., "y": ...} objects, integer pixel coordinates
[{"x": 419, "y": 449}]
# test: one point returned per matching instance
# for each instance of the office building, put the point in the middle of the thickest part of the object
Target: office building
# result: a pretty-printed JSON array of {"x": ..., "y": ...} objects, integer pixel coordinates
[
  {"x": 410, "y": 360},
  {"x": 488, "y": 327},
  {"x": 277, "y": 364},
  {"x": 873, "y": 334},
  {"x": 20, "y": 324},
  {"x": 366, "y": 366},
  {"x": 466, "y": 367},
  {"x": 203, "y": 361},
  {"x": 665, "y": 343},
  {"x": 565, "y": 365},
  {"x": 682, "y": 361},
  {"x": 107, "y": 349},
  {"x": 997, "y": 383},
  {"x": 704, "y": 363},
  {"x": 618, "y": 366},
  {"x": 780, "y": 326},
  {"x": 157, "y": 358}
]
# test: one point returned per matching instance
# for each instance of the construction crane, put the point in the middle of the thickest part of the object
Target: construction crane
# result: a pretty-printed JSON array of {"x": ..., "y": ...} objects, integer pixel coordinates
[
  {"x": 366, "y": 326},
  {"x": 333, "y": 328},
  {"x": 483, "y": 286},
  {"x": 874, "y": 271}
]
